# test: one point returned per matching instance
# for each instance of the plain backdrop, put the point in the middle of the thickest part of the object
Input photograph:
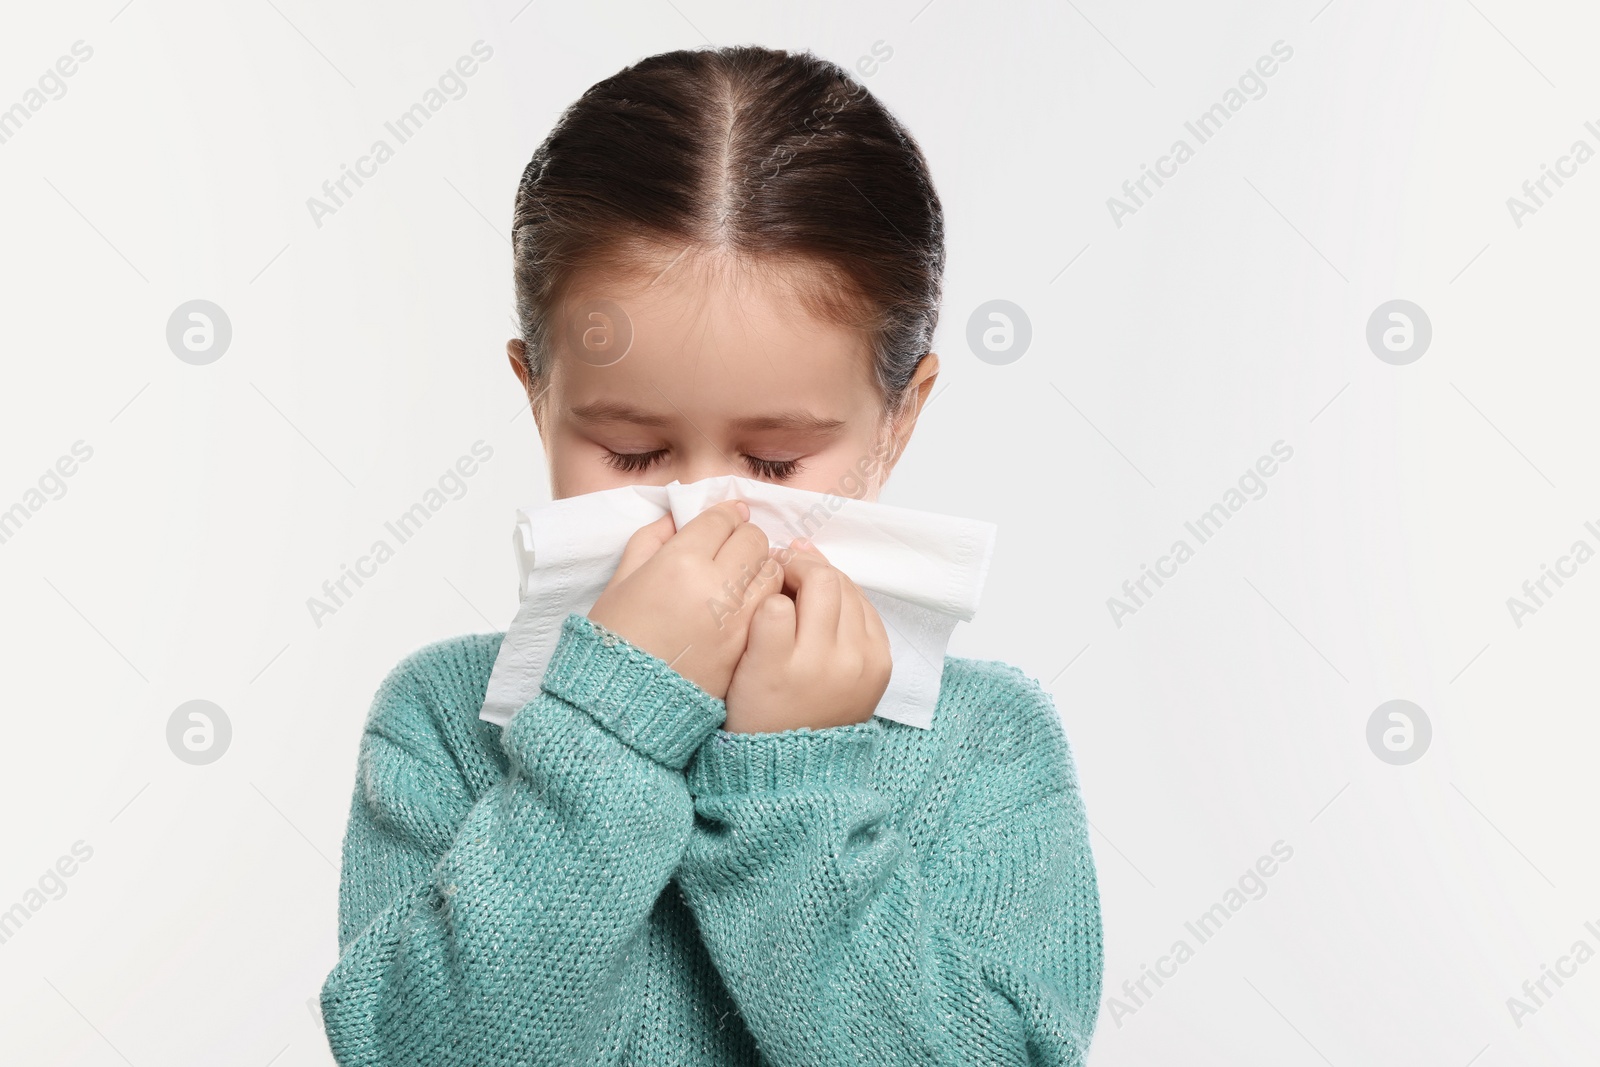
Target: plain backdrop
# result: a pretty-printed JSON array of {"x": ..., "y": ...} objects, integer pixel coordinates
[{"x": 1172, "y": 346}]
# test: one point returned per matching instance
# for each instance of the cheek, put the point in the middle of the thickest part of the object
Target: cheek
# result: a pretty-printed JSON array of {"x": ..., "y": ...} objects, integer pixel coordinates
[{"x": 851, "y": 468}]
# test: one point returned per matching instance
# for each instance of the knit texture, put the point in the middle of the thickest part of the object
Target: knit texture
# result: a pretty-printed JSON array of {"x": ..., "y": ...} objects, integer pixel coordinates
[{"x": 612, "y": 879}]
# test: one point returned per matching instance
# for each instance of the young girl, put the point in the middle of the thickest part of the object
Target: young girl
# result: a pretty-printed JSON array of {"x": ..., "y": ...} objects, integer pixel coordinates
[{"x": 696, "y": 845}]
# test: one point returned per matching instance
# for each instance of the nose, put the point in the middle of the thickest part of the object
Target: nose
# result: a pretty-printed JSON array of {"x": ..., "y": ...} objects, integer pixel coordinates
[{"x": 707, "y": 462}]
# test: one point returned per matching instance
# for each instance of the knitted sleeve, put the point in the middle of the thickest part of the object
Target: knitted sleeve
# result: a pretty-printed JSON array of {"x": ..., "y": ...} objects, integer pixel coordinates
[
  {"x": 494, "y": 931},
  {"x": 842, "y": 946}
]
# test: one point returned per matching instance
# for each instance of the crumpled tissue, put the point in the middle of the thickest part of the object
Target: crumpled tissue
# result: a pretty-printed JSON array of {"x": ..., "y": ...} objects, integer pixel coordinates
[{"x": 921, "y": 570}]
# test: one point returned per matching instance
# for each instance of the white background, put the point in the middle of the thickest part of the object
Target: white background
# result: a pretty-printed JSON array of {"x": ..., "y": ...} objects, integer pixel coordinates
[{"x": 1227, "y": 314}]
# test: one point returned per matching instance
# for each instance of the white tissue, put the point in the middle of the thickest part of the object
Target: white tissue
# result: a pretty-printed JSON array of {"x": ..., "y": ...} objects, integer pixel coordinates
[{"x": 922, "y": 571}]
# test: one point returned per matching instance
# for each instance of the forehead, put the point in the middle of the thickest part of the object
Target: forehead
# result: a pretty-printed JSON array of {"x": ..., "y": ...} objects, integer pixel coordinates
[{"x": 714, "y": 327}]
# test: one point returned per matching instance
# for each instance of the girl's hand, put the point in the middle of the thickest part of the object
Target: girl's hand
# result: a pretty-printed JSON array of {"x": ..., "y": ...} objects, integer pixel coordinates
[
  {"x": 688, "y": 596},
  {"x": 819, "y": 659}
]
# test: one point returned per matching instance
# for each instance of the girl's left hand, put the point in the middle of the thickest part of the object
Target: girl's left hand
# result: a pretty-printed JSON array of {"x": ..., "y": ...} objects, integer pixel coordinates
[{"x": 817, "y": 653}]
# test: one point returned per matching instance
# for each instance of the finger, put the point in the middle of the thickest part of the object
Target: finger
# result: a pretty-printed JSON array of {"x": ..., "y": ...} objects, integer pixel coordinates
[
  {"x": 877, "y": 635},
  {"x": 772, "y": 631},
  {"x": 645, "y": 542},
  {"x": 799, "y": 556},
  {"x": 861, "y": 630},
  {"x": 746, "y": 565},
  {"x": 768, "y": 577},
  {"x": 877, "y": 632},
  {"x": 818, "y": 592},
  {"x": 798, "y": 548},
  {"x": 852, "y": 632},
  {"x": 747, "y": 545},
  {"x": 704, "y": 535}
]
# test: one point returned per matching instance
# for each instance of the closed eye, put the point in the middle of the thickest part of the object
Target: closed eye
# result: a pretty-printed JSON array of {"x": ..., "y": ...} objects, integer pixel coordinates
[
  {"x": 776, "y": 469},
  {"x": 634, "y": 462}
]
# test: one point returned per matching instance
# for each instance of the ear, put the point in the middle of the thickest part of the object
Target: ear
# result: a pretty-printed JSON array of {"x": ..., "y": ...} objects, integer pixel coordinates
[
  {"x": 916, "y": 396},
  {"x": 517, "y": 352}
]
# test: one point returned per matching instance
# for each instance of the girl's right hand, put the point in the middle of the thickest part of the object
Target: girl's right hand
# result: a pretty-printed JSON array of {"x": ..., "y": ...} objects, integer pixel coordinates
[{"x": 688, "y": 596}]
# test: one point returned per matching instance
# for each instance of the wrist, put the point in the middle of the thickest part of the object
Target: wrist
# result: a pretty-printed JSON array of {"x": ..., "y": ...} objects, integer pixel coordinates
[
  {"x": 634, "y": 694},
  {"x": 797, "y": 760}
]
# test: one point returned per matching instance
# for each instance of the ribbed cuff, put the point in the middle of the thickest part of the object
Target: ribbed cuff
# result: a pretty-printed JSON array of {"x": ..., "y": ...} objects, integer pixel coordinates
[
  {"x": 632, "y": 693},
  {"x": 793, "y": 760}
]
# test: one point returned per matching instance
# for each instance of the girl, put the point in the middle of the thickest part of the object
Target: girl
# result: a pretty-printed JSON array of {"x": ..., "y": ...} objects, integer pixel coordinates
[{"x": 697, "y": 846}]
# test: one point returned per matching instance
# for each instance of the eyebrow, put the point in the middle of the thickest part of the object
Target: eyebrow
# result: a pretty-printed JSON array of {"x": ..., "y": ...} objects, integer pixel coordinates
[{"x": 616, "y": 411}]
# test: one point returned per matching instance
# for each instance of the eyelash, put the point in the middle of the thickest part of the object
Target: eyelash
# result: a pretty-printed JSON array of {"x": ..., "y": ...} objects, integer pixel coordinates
[{"x": 633, "y": 462}]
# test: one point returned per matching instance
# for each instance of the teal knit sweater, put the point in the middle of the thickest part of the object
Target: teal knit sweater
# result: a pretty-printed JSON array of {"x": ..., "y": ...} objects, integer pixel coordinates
[{"x": 613, "y": 879}]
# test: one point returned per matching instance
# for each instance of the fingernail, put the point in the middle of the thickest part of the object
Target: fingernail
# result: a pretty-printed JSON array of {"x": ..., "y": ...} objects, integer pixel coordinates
[
  {"x": 802, "y": 543},
  {"x": 742, "y": 508}
]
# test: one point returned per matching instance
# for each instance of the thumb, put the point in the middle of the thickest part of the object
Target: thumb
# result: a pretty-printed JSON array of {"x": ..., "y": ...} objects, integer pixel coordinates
[
  {"x": 805, "y": 548},
  {"x": 772, "y": 630}
]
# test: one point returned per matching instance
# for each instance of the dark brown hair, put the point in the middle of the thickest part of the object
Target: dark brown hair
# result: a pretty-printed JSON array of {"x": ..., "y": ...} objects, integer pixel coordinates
[{"x": 781, "y": 158}]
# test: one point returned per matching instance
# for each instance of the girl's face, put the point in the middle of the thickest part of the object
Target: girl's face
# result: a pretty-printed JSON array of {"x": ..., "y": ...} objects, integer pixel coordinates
[{"x": 725, "y": 373}]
